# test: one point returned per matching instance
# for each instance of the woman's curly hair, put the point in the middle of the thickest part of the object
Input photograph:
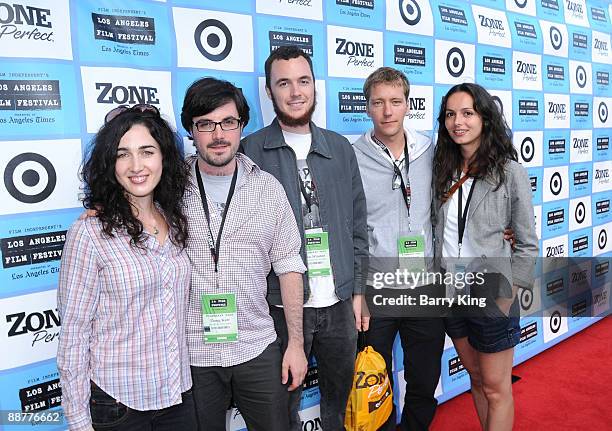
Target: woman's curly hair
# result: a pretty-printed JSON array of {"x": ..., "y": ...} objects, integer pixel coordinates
[
  {"x": 104, "y": 194},
  {"x": 495, "y": 142}
]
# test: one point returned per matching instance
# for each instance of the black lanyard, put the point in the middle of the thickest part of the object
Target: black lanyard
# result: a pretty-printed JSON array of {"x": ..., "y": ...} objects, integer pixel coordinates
[
  {"x": 405, "y": 187},
  {"x": 462, "y": 215},
  {"x": 215, "y": 245}
]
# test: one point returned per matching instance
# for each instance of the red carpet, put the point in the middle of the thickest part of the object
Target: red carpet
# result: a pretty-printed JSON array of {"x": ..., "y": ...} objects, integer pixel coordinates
[{"x": 566, "y": 387}]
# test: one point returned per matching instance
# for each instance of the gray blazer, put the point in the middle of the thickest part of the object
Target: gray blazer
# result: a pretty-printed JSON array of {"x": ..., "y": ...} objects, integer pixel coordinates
[{"x": 489, "y": 213}]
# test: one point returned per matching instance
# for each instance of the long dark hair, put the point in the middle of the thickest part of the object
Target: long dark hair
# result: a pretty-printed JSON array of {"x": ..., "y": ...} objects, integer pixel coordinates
[
  {"x": 495, "y": 142},
  {"x": 104, "y": 194}
]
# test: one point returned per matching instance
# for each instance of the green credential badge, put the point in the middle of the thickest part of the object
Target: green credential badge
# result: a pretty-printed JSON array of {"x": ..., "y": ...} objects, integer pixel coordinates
[{"x": 219, "y": 318}]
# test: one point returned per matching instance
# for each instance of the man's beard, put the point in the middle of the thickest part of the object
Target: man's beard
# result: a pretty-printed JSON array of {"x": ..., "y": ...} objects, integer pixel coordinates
[
  {"x": 290, "y": 121},
  {"x": 218, "y": 162}
]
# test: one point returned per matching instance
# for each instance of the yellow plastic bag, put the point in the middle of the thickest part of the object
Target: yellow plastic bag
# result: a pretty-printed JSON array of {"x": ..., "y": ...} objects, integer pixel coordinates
[{"x": 371, "y": 399}]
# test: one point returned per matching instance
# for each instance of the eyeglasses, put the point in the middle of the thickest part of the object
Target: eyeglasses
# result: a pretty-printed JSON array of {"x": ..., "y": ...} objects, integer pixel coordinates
[
  {"x": 210, "y": 126},
  {"x": 141, "y": 107}
]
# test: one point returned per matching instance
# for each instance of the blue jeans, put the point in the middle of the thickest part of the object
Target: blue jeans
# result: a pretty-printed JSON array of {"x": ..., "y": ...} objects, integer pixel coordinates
[
  {"x": 108, "y": 414},
  {"x": 330, "y": 335}
]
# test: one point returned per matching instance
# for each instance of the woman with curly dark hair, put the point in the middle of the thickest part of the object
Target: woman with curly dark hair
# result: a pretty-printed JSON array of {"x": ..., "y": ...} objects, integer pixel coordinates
[
  {"x": 481, "y": 190},
  {"x": 124, "y": 282}
]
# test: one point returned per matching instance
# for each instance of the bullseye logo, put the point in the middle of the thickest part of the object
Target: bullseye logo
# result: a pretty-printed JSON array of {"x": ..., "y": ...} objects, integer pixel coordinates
[
  {"x": 555, "y": 321},
  {"x": 209, "y": 39},
  {"x": 556, "y": 38},
  {"x": 213, "y": 39},
  {"x": 520, "y": 3},
  {"x": 580, "y": 213},
  {"x": 30, "y": 178},
  {"x": 602, "y": 112},
  {"x": 455, "y": 62},
  {"x": 581, "y": 77},
  {"x": 459, "y": 60},
  {"x": 527, "y": 149},
  {"x": 526, "y": 299},
  {"x": 39, "y": 175},
  {"x": 556, "y": 184},
  {"x": 602, "y": 239},
  {"x": 410, "y": 11}
]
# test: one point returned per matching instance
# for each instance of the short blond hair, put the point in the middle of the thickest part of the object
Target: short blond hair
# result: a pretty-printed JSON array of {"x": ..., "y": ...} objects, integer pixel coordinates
[{"x": 386, "y": 75}]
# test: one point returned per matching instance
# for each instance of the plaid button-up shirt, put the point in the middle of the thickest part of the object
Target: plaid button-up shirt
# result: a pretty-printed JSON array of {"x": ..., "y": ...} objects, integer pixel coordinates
[
  {"x": 123, "y": 321},
  {"x": 260, "y": 233}
]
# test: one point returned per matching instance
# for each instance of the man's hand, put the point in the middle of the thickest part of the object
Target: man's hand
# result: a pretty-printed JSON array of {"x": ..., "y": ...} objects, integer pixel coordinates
[
  {"x": 509, "y": 236},
  {"x": 362, "y": 315},
  {"x": 294, "y": 362}
]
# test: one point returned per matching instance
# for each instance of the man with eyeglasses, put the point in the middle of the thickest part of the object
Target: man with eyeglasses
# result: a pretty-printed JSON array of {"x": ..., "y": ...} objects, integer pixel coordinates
[
  {"x": 396, "y": 166},
  {"x": 319, "y": 172},
  {"x": 240, "y": 227}
]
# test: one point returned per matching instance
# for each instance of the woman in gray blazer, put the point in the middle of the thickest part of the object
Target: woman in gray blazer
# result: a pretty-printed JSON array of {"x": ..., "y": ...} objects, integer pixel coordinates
[{"x": 480, "y": 191}]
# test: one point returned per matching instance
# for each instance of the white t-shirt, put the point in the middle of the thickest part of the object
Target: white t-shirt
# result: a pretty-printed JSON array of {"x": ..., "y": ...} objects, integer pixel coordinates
[
  {"x": 450, "y": 248},
  {"x": 322, "y": 291}
]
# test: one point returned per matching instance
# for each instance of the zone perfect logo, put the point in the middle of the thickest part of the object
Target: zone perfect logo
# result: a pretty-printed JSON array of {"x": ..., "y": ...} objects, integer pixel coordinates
[
  {"x": 105, "y": 87},
  {"x": 581, "y": 146},
  {"x": 529, "y": 147},
  {"x": 213, "y": 40},
  {"x": 575, "y": 12},
  {"x": 454, "y": 62},
  {"x": 580, "y": 77},
  {"x": 555, "y": 38},
  {"x": 527, "y": 71},
  {"x": 557, "y": 114},
  {"x": 492, "y": 27},
  {"x": 556, "y": 183},
  {"x": 35, "y": 28},
  {"x": 601, "y": 47},
  {"x": 352, "y": 52},
  {"x": 29, "y": 328},
  {"x": 602, "y": 176},
  {"x": 39, "y": 175},
  {"x": 420, "y": 112},
  {"x": 305, "y": 9},
  {"x": 410, "y": 16}
]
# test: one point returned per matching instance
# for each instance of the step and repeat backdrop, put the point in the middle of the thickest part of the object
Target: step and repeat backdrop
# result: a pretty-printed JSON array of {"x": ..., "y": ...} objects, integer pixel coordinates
[{"x": 64, "y": 64}]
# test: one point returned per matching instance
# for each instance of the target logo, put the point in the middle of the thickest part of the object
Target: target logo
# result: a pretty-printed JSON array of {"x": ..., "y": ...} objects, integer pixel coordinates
[
  {"x": 526, "y": 299},
  {"x": 520, "y": 3},
  {"x": 556, "y": 184},
  {"x": 410, "y": 11},
  {"x": 602, "y": 239},
  {"x": 39, "y": 175},
  {"x": 208, "y": 39},
  {"x": 30, "y": 178},
  {"x": 527, "y": 149},
  {"x": 556, "y": 38},
  {"x": 213, "y": 39},
  {"x": 455, "y": 62},
  {"x": 580, "y": 213},
  {"x": 581, "y": 77},
  {"x": 602, "y": 111},
  {"x": 555, "y": 321}
]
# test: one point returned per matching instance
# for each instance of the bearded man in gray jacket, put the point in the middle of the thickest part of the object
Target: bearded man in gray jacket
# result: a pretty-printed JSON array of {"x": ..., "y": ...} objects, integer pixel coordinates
[{"x": 396, "y": 168}]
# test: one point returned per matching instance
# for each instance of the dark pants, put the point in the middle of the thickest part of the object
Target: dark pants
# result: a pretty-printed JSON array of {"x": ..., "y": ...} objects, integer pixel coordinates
[
  {"x": 107, "y": 414},
  {"x": 329, "y": 334},
  {"x": 422, "y": 342},
  {"x": 255, "y": 386}
]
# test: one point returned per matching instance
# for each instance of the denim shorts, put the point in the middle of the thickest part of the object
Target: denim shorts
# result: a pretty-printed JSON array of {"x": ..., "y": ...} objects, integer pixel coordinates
[{"x": 489, "y": 332}]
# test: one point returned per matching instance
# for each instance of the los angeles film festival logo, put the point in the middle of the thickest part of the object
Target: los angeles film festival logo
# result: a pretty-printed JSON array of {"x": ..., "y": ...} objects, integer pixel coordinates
[
  {"x": 35, "y": 28},
  {"x": 29, "y": 95},
  {"x": 130, "y": 30}
]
